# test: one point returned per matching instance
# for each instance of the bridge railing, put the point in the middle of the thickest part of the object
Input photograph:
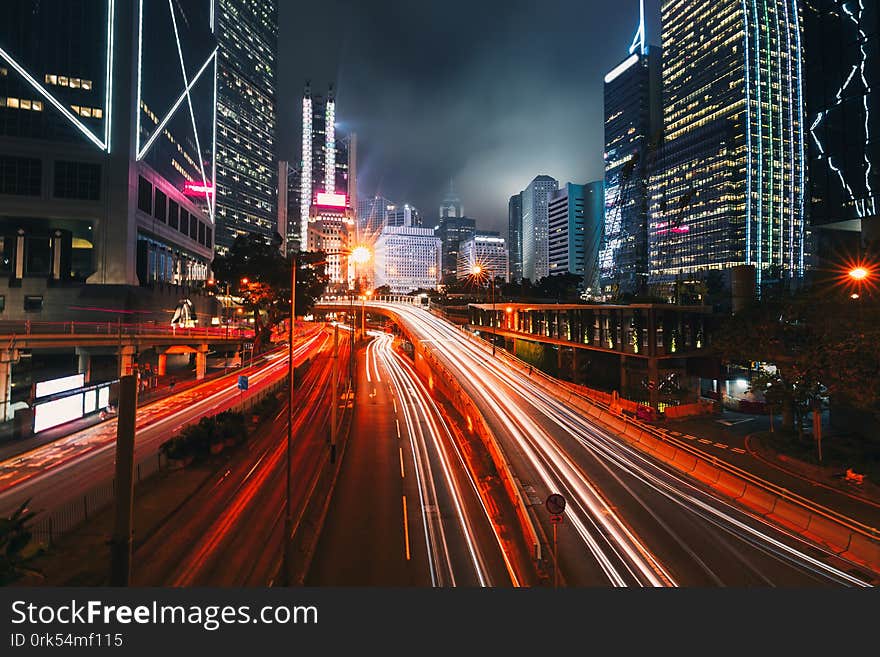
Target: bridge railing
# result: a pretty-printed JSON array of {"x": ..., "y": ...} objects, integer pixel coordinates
[{"x": 37, "y": 328}]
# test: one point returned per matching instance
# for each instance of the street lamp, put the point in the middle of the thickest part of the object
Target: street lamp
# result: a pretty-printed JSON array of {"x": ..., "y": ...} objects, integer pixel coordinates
[{"x": 477, "y": 272}]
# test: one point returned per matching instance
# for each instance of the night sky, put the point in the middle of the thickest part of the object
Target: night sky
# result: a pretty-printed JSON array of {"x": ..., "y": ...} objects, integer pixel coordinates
[{"x": 489, "y": 93}]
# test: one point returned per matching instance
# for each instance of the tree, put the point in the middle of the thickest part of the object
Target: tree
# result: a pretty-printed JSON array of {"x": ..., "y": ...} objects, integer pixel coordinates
[
  {"x": 256, "y": 270},
  {"x": 15, "y": 535}
]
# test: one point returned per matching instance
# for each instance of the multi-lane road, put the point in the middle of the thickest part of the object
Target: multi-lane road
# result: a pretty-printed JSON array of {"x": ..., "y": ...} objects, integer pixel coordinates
[
  {"x": 406, "y": 510},
  {"x": 53, "y": 474},
  {"x": 630, "y": 520}
]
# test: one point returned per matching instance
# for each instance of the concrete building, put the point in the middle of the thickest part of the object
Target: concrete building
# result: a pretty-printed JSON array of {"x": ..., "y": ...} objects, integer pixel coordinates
[
  {"x": 535, "y": 227},
  {"x": 486, "y": 249},
  {"x": 407, "y": 258},
  {"x": 331, "y": 229},
  {"x": 575, "y": 217}
]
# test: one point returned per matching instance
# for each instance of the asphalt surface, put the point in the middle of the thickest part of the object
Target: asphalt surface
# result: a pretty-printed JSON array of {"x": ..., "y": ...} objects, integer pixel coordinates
[
  {"x": 630, "y": 521},
  {"x": 405, "y": 511}
]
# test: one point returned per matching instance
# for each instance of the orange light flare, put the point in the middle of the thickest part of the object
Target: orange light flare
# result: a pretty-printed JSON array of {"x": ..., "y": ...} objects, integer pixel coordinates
[{"x": 858, "y": 277}]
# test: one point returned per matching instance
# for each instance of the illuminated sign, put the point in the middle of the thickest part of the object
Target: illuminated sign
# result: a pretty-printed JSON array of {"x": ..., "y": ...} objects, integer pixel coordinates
[
  {"x": 332, "y": 200},
  {"x": 196, "y": 189},
  {"x": 621, "y": 68},
  {"x": 46, "y": 388}
]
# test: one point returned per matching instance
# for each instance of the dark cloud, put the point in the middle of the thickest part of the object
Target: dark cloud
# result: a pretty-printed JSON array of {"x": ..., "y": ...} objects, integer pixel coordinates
[{"x": 488, "y": 93}]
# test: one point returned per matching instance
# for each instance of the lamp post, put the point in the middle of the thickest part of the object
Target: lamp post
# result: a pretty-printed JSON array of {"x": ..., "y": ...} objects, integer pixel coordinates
[{"x": 288, "y": 509}]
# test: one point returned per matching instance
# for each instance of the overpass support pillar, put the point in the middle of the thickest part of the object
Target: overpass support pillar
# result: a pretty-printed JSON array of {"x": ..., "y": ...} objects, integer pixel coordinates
[
  {"x": 162, "y": 365},
  {"x": 126, "y": 360},
  {"x": 654, "y": 381},
  {"x": 201, "y": 361},
  {"x": 84, "y": 363},
  {"x": 624, "y": 381},
  {"x": 7, "y": 357}
]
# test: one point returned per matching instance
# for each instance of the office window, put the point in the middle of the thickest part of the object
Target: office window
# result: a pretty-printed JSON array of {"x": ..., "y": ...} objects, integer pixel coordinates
[
  {"x": 209, "y": 236},
  {"x": 160, "y": 208},
  {"x": 20, "y": 176},
  {"x": 33, "y": 303},
  {"x": 193, "y": 227},
  {"x": 201, "y": 233},
  {"x": 173, "y": 215},
  {"x": 77, "y": 180},
  {"x": 145, "y": 195},
  {"x": 184, "y": 221}
]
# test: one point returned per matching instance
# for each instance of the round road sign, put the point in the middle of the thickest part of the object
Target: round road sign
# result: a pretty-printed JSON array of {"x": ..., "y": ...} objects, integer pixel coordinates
[{"x": 555, "y": 504}]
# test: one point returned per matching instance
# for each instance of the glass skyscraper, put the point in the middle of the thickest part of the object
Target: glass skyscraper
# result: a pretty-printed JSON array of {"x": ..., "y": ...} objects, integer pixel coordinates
[
  {"x": 842, "y": 47},
  {"x": 632, "y": 129},
  {"x": 514, "y": 237},
  {"x": 246, "y": 119},
  {"x": 729, "y": 183}
]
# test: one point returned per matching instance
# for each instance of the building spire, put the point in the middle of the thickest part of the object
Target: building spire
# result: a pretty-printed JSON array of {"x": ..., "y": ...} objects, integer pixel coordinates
[{"x": 639, "y": 43}]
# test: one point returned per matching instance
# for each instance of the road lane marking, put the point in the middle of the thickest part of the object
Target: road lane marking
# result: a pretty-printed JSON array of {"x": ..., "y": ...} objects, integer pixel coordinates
[
  {"x": 394, "y": 403},
  {"x": 705, "y": 442},
  {"x": 406, "y": 528},
  {"x": 721, "y": 445},
  {"x": 398, "y": 427},
  {"x": 737, "y": 450},
  {"x": 402, "y": 475}
]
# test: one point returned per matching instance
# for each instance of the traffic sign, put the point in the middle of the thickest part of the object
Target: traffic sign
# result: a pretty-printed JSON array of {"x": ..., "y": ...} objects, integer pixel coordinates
[
  {"x": 556, "y": 520},
  {"x": 555, "y": 504},
  {"x": 242, "y": 382}
]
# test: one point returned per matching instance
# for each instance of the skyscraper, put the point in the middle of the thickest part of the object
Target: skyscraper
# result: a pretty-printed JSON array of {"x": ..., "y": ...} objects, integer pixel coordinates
[
  {"x": 575, "y": 216},
  {"x": 632, "y": 127},
  {"x": 842, "y": 68},
  {"x": 485, "y": 249},
  {"x": 324, "y": 167},
  {"x": 407, "y": 258},
  {"x": 728, "y": 185},
  {"x": 372, "y": 213},
  {"x": 535, "y": 257},
  {"x": 514, "y": 237},
  {"x": 107, "y": 165},
  {"x": 246, "y": 122},
  {"x": 451, "y": 205},
  {"x": 452, "y": 231},
  {"x": 403, "y": 215}
]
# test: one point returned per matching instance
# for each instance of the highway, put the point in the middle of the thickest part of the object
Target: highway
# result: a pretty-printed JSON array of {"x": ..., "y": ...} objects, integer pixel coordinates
[
  {"x": 58, "y": 472},
  {"x": 230, "y": 533},
  {"x": 406, "y": 510},
  {"x": 630, "y": 520}
]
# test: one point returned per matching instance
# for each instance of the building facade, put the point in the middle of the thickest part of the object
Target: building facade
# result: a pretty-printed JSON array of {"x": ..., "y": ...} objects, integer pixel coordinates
[
  {"x": 331, "y": 230},
  {"x": 407, "y": 258},
  {"x": 247, "y": 201},
  {"x": 403, "y": 214},
  {"x": 632, "y": 129},
  {"x": 575, "y": 216},
  {"x": 842, "y": 56},
  {"x": 728, "y": 187},
  {"x": 487, "y": 250},
  {"x": 452, "y": 231},
  {"x": 107, "y": 155},
  {"x": 325, "y": 162},
  {"x": 535, "y": 227},
  {"x": 514, "y": 237},
  {"x": 372, "y": 214}
]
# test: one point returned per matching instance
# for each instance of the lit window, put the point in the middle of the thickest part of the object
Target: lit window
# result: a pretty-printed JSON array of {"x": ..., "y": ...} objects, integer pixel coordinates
[
  {"x": 98, "y": 113},
  {"x": 75, "y": 108},
  {"x": 87, "y": 85},
  {"x": 63, "y": 81},
  {"x": 3, "y": 72},
  {"x": 25, "y": 104},
  {"x": 12, "y": 102},
  {"x": 2, "y": 102},
  {"x": 37, "y": 106},
  {"x": 86, "y": 112},
  {"x": 75, "y": 83}
]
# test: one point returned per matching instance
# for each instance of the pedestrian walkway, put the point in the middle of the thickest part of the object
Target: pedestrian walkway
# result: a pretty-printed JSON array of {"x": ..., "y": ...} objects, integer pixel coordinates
[{"x": 731, "y": 437}]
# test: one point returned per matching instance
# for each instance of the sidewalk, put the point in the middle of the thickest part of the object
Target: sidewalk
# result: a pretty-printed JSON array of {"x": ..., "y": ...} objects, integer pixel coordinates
[{"x": 730, "y": 436}]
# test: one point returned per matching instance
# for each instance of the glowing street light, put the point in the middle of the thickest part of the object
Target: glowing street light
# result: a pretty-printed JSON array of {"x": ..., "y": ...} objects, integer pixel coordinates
[{"x": 859, "y": 274}]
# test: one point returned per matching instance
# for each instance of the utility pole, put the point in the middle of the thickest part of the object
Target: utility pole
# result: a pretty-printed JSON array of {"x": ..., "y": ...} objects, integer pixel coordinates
[
  {"x": 120, "y": 558},
  {"x": 288, "y": 510},
  {"x": 334, "y": 399}
]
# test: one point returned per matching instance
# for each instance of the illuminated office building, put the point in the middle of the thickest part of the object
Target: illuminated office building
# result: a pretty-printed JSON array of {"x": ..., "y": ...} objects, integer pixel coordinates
[
  {"x": 107, "y": 133},
  {"x": 632, "y": 126},
  {"x": 331, "y": 229},
  {"x": 575, "y": 217},
  {"x": 514, "y": 237},
  {"x": 326, "y": 159},
  {"x": 407, "y": 258},
  {"x": 487, "y": 250},
  {"x": 728, "y": 185},
  {"x": 452, "y": 231},
  {"x": 535, "y": 228},
  {"x": 842, "y": 55},
  {"x": 246, "y": 121}
]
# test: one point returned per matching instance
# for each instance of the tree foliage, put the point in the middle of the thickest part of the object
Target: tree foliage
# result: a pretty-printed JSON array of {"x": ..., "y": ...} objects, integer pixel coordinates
[{"x": 15, "y": 535}]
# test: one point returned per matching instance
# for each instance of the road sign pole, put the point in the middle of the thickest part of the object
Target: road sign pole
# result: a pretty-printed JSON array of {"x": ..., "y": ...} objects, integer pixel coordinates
[
  {"x": 120, "y": 560},
  {"x": 555, "y": 558}
]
